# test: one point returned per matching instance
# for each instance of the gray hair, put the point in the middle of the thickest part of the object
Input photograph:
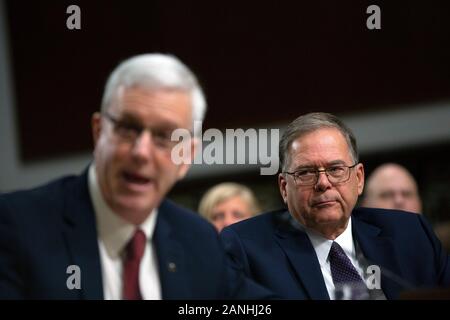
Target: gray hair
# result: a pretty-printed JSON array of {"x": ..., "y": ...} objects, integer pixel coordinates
[
  {"x": 312, "y": 122},
  {"x": 156, "y": 71},
  {"x": 224, "y": 191}
]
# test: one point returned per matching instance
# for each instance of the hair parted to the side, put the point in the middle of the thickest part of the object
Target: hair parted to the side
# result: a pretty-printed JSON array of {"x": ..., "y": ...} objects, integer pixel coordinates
[
  {"x": 223, "y": 192},
  {"x": 155, "y": 71},
  {"x": 311, "y": 122}
]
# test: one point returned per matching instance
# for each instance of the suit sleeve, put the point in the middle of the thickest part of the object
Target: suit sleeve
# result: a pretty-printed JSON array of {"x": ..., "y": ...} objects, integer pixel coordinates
[
  {"x": 245, "y": 287},
  {"x": 11, "y": 283},
  {"x": 238, "y": 267},
  {"x": 442, "y": 259},
  {"x": 235, "y": 252}
]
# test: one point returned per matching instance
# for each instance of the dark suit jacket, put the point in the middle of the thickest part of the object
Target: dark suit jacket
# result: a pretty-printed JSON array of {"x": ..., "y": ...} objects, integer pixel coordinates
[
  {"x": 275, "y": 253},
  {"x": 44, "y": 230}
]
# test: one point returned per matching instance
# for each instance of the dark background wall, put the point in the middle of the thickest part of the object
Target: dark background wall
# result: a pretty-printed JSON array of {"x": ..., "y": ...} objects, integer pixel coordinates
[{"x": 261, "y": 63}]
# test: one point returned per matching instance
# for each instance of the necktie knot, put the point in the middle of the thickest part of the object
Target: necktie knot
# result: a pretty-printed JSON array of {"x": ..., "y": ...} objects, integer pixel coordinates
[
  {"x": 136, "y": 246},
  {"x": 337, "y": 253}
]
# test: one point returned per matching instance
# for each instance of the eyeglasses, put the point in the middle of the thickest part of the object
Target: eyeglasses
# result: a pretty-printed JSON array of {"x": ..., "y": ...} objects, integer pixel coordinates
[
  {"x": 309, "y": 176},
  {"x": 130, "y": 131}
]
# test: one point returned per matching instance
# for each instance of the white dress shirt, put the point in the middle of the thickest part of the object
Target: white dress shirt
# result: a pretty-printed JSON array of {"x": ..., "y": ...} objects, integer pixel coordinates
[
  {"x": 113, "y": 235},
  {"x": 322, "y": 247}
]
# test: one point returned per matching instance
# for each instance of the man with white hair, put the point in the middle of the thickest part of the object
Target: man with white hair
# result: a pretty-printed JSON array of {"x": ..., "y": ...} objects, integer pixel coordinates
[{"x": 110, "y": 233}]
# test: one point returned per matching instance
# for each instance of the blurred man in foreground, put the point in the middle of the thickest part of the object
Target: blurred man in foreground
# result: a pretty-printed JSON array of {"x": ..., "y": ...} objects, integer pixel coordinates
[{"x": 110, "y": 233}]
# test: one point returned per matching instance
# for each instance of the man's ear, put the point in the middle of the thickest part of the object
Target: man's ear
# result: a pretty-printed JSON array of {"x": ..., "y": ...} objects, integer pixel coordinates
[
  {"x": 96, "y": 126},
  {"x": 188, "y": 159},
  {"x": 282, "y": 184},
  {"x": 360, "y": 177}
]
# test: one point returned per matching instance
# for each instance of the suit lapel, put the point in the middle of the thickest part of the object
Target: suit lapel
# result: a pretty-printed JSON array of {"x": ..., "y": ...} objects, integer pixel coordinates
[
  {"x": 171, "y": 258},
  {"x": 81, "y": 237},
  {"x": 303, "y": 259},
  {"x": 379, "y": 250}
]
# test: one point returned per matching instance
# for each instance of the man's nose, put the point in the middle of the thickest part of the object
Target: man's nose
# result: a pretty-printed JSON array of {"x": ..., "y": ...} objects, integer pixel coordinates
[
  {"x": 322, "y": 182},
  {"x": 399, "y": 201},
  {"x": 143, "y": 146}
]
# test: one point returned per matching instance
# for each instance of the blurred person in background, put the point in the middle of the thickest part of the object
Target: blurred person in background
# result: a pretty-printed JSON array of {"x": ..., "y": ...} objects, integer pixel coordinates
[
  {"x": 228, "y": 203},
  {"x": 392, "y": 186}
]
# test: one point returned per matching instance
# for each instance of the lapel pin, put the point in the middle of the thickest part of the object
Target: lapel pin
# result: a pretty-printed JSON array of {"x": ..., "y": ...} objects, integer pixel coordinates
[{"x": 172, "y": 267}]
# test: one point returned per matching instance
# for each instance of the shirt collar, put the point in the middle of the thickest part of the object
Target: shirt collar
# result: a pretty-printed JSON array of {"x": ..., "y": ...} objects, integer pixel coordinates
[
  {"x": 322, "y": 245},
  {"x": 114, "y": 231}
]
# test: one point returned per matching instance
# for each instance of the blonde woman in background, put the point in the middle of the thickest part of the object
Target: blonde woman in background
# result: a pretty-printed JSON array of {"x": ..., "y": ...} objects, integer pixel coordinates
[{"x": 228, "y": 203}]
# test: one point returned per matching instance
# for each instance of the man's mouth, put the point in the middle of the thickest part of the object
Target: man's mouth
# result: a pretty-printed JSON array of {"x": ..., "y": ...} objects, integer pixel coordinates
[
  {"x": 325, "y": 203},
  {"x": 136, "y": 181}
]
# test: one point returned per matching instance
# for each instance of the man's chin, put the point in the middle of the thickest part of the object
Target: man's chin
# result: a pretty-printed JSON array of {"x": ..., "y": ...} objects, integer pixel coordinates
[
  {"x": 135, "y": 206},
  {"x": 328, "y": 216}
]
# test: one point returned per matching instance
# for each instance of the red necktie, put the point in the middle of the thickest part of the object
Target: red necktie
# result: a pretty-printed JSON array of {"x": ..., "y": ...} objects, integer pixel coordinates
[{"x": 134, "y": 252}]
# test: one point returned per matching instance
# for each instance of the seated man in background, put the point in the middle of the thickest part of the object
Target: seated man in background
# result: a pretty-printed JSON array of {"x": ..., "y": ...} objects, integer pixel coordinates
[
  {"x": 110, "y": 233},
  {"x": 391, "y": 186},
  {"x": 323, "y": 247},
  {"x": 228, "y": 203}
]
